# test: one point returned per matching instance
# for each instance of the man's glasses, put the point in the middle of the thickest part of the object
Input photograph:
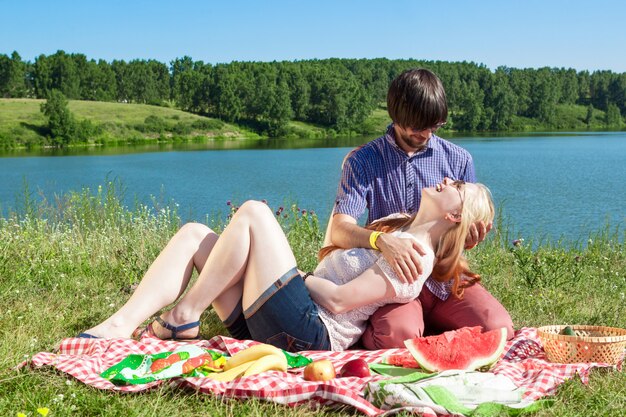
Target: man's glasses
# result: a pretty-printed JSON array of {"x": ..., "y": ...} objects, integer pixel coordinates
[{"x": 435, "y": 127}]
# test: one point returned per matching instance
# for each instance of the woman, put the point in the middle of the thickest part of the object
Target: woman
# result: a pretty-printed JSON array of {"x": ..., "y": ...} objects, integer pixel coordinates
[{"x": 249, "y": 276}]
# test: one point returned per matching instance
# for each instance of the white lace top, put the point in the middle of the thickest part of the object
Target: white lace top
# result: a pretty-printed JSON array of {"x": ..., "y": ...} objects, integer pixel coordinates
[{"x": 342, "y": 266}]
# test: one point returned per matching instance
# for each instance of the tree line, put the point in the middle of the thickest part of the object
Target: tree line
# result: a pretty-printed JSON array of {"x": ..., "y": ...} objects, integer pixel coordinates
[{"x": 335, "y": 93}]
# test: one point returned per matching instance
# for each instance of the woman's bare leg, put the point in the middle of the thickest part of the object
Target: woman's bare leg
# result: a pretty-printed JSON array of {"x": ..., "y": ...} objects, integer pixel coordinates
[
  {"x": 253, "y": 247},
  {"x": 164, "y": 282}
]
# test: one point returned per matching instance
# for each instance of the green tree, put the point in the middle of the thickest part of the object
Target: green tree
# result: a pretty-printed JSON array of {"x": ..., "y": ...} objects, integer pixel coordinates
[
  {"x": 584, "y": 84},
  {"x": 599, "y": 89},
  {"x": 569, "y": 86},
  {"x": 122, "y": 81},
  {"x": 543, "y": 97},
  {"x": 470, "y": 110},
  {"x": 280, "y": 112},
  {"x": 500, "y": 100},
  {"x": 12, "y": 76},
  {"x": 520, "y": 80},
  {"x": 617, "y": 91},
  {"x": 65, "y": 74},
  {"x": 228, "y": 105},
  {"x": 300, "y": 91},
  {"x": 178, "y": 67},
  {"x": 97, "y": 80},
  {"x": 589, "y": 117},
  {"x": 60, "y": 120},
  {"x": 613, "y": 118}
]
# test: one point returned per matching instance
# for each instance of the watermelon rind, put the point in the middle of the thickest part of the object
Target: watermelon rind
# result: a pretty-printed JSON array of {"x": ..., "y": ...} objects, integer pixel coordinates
[{"x": 433, "y": 359}]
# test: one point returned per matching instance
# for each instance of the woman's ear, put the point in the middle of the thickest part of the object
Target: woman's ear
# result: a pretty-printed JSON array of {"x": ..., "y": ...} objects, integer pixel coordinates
[{"x": 454, "y": 218}]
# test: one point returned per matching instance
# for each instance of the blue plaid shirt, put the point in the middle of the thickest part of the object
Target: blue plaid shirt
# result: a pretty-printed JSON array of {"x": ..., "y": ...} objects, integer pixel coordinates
[{"x": 382, "y": 178}]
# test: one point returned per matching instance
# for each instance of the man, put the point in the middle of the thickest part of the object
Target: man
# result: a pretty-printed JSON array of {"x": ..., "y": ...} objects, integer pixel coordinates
[{"x": 386, "y": 176}]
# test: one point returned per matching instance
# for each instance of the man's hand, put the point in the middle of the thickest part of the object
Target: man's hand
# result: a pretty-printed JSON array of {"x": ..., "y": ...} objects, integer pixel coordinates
[
  {"x": 476, "y": 234},
  {"x": 403, "y": 254}
]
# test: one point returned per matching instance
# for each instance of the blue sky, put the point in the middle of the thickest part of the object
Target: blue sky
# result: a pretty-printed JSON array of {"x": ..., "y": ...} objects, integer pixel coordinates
[{"x": 585, "y": 35}]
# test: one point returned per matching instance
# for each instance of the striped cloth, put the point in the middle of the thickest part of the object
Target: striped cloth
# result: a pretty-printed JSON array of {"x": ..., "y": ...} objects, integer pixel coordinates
[{"x": 524, "y": 362}]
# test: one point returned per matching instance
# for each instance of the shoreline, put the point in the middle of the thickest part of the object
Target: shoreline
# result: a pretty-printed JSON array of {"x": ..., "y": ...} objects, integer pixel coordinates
[{"x": 24, "y": 128}]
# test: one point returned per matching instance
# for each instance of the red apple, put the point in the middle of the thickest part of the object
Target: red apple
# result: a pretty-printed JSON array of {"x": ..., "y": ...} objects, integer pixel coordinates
[
  {"x": 355, "y": 367},
  {"x": 322, "y": 370}
]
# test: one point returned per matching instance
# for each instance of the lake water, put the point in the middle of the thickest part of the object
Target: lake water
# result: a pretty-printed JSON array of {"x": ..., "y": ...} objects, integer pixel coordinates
[{"x": 549, "y": 186}]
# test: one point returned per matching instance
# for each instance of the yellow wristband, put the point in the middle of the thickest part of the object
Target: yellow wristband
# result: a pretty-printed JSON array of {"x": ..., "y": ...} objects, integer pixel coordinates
[{"x": 374, "y": 238}]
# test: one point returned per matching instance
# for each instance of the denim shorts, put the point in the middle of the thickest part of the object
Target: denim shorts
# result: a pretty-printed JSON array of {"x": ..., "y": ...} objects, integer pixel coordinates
[{"x": 284, "y": 316}]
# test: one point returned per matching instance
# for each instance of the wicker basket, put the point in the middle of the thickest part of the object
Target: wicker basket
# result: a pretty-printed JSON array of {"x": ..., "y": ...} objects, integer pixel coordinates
[{"x": 590, "y": 344}]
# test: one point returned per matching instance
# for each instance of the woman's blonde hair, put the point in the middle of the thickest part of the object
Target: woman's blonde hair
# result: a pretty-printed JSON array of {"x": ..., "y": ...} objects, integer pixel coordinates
[{"x": 450, "y": 264}]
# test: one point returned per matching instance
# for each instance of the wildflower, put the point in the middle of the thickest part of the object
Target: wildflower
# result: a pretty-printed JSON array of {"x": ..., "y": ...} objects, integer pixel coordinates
[
  {"x": 304, "y": 212},
  {"x": 20, "y": 415},
  {"x": 518, "y": 242},
  {"x": 43, "y": 411}
]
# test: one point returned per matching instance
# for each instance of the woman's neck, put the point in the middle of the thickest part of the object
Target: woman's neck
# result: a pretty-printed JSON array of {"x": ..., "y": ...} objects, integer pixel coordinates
[{"x": 428, "y": 228}]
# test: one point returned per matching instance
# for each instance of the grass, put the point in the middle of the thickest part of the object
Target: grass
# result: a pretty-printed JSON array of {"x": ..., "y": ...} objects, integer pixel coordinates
[
  {"x": 23, "y": 124},
  {"x": 67, "y": 264}
]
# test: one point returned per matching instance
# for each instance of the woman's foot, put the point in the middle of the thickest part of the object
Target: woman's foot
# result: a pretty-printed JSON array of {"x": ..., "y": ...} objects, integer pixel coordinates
[
  {"x": 106, "y": 331},
  {"x": 166, "y": 328}
]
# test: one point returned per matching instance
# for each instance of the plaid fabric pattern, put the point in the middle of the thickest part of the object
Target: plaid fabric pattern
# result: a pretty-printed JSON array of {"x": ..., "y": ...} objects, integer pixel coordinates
[
  {"x": 524, "y": 362},
  {"x": 381, "y": 177}
]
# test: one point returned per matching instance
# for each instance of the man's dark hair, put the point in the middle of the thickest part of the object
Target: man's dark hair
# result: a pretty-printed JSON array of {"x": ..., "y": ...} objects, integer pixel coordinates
[{"x": 416, "y": 99}]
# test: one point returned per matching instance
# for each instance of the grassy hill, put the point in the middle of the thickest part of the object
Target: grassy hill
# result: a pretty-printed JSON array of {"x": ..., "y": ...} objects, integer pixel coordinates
[{"x": 23, "y": 124}]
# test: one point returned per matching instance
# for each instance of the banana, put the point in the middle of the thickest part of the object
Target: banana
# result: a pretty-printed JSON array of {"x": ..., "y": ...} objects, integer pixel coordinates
[
  {"x": 267, "y": 363},
  {"x": 232, "y": 373},
  {"x": 251, "y": 354}
]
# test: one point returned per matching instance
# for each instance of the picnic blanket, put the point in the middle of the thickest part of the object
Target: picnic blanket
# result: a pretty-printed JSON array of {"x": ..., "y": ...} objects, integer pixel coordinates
[{"x": 524, "y": 362}]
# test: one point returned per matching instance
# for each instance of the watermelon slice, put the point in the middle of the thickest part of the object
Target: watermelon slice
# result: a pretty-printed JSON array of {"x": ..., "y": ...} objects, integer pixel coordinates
[
  {"x": 465, "y": 349},
  {"x": 405, "y": 360}
]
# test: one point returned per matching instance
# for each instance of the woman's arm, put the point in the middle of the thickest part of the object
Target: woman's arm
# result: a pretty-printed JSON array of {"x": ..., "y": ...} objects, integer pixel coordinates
[{"x": 369, "y": 287}]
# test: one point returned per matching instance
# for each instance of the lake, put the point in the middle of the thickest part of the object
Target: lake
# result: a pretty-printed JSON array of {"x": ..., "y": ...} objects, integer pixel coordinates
[{"x": 548, "y": 186}]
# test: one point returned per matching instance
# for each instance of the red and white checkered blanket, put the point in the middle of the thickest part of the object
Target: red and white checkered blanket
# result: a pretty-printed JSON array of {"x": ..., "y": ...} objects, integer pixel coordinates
[{"x": 524, "y": 362}]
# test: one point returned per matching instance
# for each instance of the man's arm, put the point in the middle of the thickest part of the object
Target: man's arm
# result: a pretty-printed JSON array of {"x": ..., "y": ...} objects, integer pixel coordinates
[
  {"x": 402, "y": 254},
  {"x": 346, "y": 233}
]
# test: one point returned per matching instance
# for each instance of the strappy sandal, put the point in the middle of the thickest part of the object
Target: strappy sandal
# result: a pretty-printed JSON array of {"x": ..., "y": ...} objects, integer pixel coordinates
[{"x": 174, "y": 329}]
